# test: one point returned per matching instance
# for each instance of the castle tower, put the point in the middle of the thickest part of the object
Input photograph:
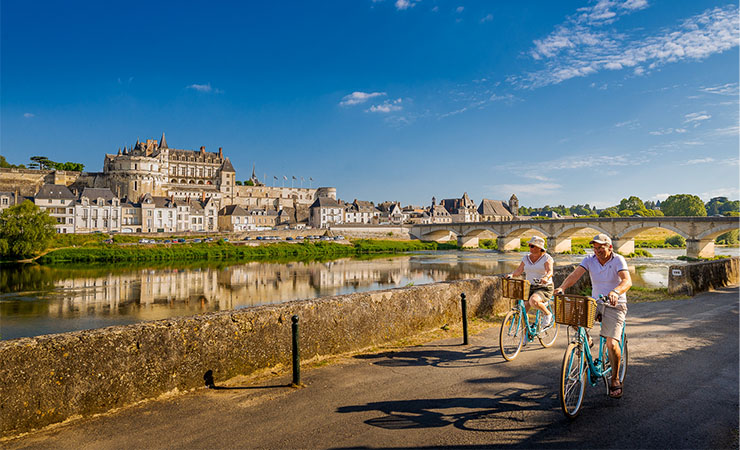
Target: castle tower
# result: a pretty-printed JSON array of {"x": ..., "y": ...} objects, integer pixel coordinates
[{"x": 514, "y": 205}]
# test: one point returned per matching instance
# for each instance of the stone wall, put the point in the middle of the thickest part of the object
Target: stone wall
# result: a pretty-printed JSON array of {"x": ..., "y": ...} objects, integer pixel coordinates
[
  {"x": 698, "y": 277},
  {"x": 48, "y": 379},
  {"x": 367, "y": 231}
]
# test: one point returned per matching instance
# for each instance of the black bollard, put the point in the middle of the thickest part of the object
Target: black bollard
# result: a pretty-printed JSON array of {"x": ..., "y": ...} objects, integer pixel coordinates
[
  {"x": 464, "y": 318},
  {"x": 296, "y": 354}
]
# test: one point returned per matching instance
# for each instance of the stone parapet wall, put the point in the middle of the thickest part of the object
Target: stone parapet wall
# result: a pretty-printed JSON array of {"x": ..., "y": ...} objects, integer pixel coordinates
[
  {"x": 366, "y": 231},
  {"x": 698, "y": 277},
  {"x": 47, "y": 379}
]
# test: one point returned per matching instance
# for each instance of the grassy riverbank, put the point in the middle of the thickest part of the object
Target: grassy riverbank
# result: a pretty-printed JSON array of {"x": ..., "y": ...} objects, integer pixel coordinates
[{"x": 224, "y": 251}]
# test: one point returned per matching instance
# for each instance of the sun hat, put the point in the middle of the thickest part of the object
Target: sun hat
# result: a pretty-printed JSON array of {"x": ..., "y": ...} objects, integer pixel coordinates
[
  {"x": 601, "y": 238},
  {"x": 537, "y": 242}
]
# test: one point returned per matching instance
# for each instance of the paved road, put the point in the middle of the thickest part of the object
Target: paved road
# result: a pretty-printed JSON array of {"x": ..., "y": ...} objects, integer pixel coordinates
[{"x": 681, "y": 392}]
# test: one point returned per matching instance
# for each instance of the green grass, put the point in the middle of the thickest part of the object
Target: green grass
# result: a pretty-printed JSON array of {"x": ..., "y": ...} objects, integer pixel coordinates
[
  {"x": 692, "y": 259},
  {"x": 222, "y": 251},
  {"x": 639, "y": 253}
]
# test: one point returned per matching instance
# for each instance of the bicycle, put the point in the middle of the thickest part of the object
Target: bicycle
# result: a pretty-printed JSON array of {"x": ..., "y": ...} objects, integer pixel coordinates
[
  {"x": 578, "y": 364},
  {"x": 516, "y": 327}
]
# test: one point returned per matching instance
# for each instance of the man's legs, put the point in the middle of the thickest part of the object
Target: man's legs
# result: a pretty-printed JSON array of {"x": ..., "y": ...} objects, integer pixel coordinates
[{"x": 615, "y": 357}]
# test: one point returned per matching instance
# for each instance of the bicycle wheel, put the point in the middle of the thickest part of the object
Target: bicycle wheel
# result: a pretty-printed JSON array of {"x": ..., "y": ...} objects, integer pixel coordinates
[
  {"x": 512, "y": 335},
  {"x": 572, "y": 381},
  {"x": 547, "y": 336}
]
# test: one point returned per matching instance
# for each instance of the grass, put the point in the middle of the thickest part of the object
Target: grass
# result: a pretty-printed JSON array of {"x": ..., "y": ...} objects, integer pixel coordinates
[
  {"x": 222, "y": 251},
  {"x": 638, "y": 294}
]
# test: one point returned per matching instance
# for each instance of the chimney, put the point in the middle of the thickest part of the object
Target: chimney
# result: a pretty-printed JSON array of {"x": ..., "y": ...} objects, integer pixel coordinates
[
  {"x": 203, "y": 196},
  {"x": 220, "y": 153},
  {"x": 202, "y": 149}
]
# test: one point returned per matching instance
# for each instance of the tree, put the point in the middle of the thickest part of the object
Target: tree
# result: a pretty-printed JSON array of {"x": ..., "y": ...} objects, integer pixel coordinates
[
  {"x": 609, "y": 212},
  {"x": 683, "y": 205},
  {"x": 721, "y": 205},
  {"x": 650, "y": 204},
  {"x": 25, "y": 230},
  {"x": 6, "y": 165},
  {"x": 633, "y": 203},
  {"x": 249, "y": 183},
  {"x": 43, "y": 162}
]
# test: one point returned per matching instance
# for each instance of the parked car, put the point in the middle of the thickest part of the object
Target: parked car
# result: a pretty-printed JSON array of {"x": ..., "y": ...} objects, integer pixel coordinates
[
  {"x": 288, "y": 238},
  {"x": 167, "y": 241},
  {"x": 143, "y": 241},
  {"x": 108, "y": 241},
  {"x": 210, "y": 239},
  {"x": 180, "y": 240},
  {"x": 197, "y": 241}
]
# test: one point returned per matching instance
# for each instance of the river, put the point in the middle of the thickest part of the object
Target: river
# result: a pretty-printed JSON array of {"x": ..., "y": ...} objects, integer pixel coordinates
[{"x": 36, "y": 300}]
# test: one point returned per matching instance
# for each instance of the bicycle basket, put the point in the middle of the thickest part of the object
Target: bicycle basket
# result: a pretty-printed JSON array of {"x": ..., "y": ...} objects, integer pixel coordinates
[
  {"x": 515, "y": 289},
  {"x": 575, "y": 310}
]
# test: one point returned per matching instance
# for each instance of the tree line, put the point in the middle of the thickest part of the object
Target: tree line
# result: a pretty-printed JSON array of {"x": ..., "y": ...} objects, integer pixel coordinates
[
  {"x": 43, "y": 163},
  {"x": 674, "y": 205}
]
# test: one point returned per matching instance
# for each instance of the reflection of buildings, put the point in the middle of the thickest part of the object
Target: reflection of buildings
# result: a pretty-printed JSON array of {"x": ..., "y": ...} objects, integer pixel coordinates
[{"x": 158, "y": 293}]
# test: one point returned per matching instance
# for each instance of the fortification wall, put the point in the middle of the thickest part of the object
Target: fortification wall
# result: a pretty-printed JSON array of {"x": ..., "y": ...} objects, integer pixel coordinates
[
  {"x": 698, "y": 277},
  {"x": 26, "y": 181}
]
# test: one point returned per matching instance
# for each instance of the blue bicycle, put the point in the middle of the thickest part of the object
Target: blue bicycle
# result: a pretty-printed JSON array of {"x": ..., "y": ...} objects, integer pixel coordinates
[
  {"x": 516, "y": 328},
  {"x": 579, "y": 367}
]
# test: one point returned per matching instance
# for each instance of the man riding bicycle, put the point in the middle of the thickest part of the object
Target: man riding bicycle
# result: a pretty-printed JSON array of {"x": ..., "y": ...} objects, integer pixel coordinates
[{"x": 611, "y": 279}]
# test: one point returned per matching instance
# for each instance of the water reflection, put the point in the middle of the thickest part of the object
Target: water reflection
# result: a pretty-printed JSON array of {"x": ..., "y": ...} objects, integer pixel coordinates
[{"x": 41, "y": 299}]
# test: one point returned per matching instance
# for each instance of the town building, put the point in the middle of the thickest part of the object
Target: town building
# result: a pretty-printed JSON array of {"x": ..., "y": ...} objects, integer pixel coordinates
[
  {"x": 59, "y": 202},
  {"x": 497, "y": 210},
  {"x": 8, "y": 199},
  {"x": 97, "y": 209},
  {"x": 158, "y": 214},
  {"x": 360, "y": 211},
  {"x": 234, "y": 218},
  {"x": 325, "y": 212},
  {"x": 461, "y": 209}
]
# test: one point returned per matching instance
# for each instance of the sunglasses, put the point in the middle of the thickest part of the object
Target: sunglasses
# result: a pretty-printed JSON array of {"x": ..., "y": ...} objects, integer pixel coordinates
[{"x": 532, "y": 246}]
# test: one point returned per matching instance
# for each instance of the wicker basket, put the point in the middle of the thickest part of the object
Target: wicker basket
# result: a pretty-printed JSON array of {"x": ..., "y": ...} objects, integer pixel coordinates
[
  {"x": 576, "y": 310},
  {"x": 515, "y": 289}
]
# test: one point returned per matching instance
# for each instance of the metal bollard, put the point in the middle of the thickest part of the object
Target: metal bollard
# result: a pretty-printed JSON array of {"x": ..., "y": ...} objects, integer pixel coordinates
[
  {"x": 296, "y": 354},
  {"x": 464, "y": 318}
]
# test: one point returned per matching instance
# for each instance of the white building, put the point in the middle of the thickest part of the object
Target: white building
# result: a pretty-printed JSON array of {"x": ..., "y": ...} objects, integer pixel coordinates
[
  {"x": 58, "y": 201},
  {"x": 361, "y": 212},
  {"x": 325, "y": 212},
  {"x": 235, "y": 218},
  {"x": 97, "y": 209}
]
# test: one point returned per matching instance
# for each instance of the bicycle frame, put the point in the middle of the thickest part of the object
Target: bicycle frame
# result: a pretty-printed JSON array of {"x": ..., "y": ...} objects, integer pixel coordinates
[
  {"x": 596, "y": 368},
  {"x": 531, "y": 329}
]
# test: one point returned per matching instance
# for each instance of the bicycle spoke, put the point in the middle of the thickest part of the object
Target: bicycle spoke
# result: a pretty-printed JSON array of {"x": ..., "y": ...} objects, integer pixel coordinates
[{"x": 511, "y": 336}]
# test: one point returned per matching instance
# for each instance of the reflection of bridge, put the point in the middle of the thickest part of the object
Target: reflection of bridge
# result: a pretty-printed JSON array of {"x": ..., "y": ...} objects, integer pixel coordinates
[{"x": 699, "y": 232}]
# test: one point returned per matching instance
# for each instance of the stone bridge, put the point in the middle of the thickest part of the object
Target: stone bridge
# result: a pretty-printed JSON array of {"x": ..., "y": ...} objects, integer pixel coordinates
[{"x": 699, "y": 232}]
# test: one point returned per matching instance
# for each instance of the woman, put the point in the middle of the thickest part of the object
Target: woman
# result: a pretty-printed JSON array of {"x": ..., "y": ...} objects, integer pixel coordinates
[{"x": 538, "y": 267}]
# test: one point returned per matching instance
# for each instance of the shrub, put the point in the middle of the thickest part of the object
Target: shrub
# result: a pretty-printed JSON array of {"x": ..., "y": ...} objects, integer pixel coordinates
[{"x": 676, "y": 241}]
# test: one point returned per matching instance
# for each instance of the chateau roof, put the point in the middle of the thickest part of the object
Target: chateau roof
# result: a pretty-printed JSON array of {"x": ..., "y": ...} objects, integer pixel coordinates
[
  {"x": 227, "y": 167},
  {"x": 55, "y": 191},
  {"x": 493, "y": 208},
  {"x": 163, "y": 142}
]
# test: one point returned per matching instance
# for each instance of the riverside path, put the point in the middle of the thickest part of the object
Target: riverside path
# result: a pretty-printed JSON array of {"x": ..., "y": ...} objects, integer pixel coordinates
[{"x": 681, "y": 391}]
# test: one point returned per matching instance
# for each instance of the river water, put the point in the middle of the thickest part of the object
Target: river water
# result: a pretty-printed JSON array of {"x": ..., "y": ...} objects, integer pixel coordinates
[{"x": 36, "y": 300}]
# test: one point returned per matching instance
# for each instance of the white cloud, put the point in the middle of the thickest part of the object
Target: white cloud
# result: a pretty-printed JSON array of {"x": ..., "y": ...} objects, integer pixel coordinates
[
  {"x": 459, "y": 9},
  {"x": 696, "y": 118},
  {"x": 29, "y": 115},
  {"x": 729, "y": 192},
  {"x": 729, "y": 131},
  {"x": 387, "y": 106},
  {"x": 631, "y": 124},
  {"x": 205, "y": 88},
  {"x": 660, "y": 197},
  {"x": 586, "y": 161},
  {"x": 405, "y": 4},
  {"x": 582, "y": 46},
  {"x": 488, "y": 18},
  {"x": 357, "y": 98},
  {"x": 691, "y": 162},
  {"x": 201, "y": 87},
  {"x": 725, "y": 89}
]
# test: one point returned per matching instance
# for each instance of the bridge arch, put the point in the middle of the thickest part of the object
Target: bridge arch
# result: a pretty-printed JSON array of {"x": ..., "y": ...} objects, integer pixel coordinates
[{"x": 561, "y": 241}]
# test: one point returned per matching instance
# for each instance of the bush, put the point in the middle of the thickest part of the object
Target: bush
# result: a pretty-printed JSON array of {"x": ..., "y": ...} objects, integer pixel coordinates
[
  {"x": 676, "y": 241},
  {"x": 639, "y": 253},
  {"x": 490, "y": 244},
  {"x": 729, "y": 238}
]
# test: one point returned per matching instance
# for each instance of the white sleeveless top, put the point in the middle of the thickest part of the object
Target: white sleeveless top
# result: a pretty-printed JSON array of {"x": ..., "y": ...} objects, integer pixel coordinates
[{"x": 537, "y": 270}]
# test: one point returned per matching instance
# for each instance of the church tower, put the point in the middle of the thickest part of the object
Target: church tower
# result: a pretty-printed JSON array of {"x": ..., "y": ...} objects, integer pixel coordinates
[{"x": 514, "y": 205}]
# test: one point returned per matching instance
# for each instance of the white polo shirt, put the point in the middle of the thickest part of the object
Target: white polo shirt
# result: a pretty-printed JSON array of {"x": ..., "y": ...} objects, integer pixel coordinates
[{"x": 605, "y": 278}]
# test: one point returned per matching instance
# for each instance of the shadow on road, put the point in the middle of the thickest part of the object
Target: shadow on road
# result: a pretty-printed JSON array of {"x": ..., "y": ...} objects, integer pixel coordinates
[{"x": 465, "y": 357}]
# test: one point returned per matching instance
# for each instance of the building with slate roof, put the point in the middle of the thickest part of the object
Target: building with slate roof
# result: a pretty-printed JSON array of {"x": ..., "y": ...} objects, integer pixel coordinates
[
  {"x": 97, "y": 209},
  {"x": 496, "y": 210},
  {"x": 58, "y": 201},
  {"x": 234, "y": 218}
]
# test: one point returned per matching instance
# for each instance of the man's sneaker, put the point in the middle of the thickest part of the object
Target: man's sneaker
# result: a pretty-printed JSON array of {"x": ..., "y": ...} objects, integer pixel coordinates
[{"x": 546, "y": 321}]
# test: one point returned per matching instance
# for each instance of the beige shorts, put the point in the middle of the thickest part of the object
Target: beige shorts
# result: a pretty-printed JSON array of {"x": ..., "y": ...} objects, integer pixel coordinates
[{"x": 612, "y": 320}]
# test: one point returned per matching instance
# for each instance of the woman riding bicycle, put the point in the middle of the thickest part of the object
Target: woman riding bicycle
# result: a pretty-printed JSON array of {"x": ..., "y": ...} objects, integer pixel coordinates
[{"x": 538, "y": 267}]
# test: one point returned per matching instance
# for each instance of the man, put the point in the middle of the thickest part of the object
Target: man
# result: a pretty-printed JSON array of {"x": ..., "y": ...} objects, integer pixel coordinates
[{"x": 611, "y": 279}]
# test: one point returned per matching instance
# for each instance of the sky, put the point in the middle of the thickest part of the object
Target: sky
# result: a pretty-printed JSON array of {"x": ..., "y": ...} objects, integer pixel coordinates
[{"x": 560, "y": 103}]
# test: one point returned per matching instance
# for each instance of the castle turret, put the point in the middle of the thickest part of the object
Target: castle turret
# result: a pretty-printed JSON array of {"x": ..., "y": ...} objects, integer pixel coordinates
[
  {"x": 163, "y": 142},
  {"x": 514, "y": 205}
]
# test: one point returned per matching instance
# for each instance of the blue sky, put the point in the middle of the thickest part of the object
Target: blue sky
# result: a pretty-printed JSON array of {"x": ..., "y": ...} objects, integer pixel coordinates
[{"x": 557, "y": 102}]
